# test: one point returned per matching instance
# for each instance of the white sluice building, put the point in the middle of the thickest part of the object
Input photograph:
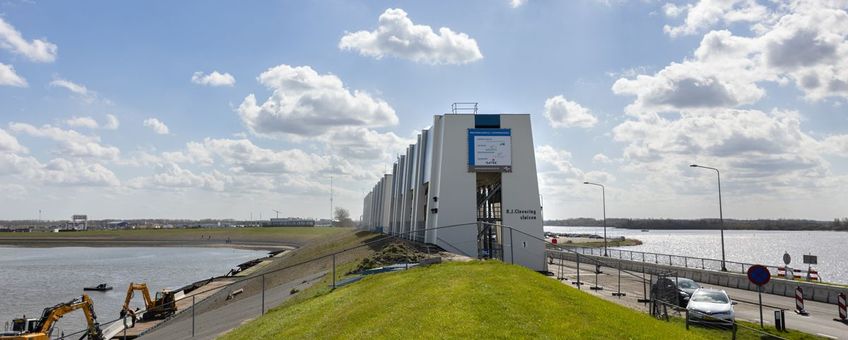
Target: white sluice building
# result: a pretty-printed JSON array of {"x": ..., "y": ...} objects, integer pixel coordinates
[{"x": 468, "y": 185}]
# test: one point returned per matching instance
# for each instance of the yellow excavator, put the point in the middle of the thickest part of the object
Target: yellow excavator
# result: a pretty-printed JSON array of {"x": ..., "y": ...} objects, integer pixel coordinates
[
  {"x": 163, "y": 306},
  {"x": 41, "y": 329}
]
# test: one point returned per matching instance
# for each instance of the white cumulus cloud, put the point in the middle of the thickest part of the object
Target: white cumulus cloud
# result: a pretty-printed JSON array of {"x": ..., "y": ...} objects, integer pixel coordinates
[
  {"x": 156, "y": 125},
  {"x": 70, "y": 86},
  {"x": 213, "y": 79},
  {"x": 171, "y": 176},
  {"x": 399, "y": 37},
  {"x": 246, "y": 156},
  {"x": 707, "y": 13},
  {"x": 112, "y": 122},
  {"x": 807, "y": 44},
  {"x": 8, "y": 77},
  {"x": 64, "y": 172},
  {"x": 305, "y": 103},
  {"x": 72, "y": 143},
  {"x": 601, "y": 158},
  {"x": 9, "y": 143},
  {"x": 86, "y": 122},
  {"x": 562, "y": 112},
  {"x": 37, "y": 50}
]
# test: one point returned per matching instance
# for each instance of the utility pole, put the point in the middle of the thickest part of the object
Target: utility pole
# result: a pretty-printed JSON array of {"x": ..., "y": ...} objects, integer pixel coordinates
[{"x": 331, "y": 200}]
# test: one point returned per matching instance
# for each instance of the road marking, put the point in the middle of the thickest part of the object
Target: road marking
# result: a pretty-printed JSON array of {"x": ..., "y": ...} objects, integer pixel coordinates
[{"x": 826, "y": 336}]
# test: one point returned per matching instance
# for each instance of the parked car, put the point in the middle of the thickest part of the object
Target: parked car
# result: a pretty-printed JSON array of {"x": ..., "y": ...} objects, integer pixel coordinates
[
  {"x": 686, "y": 288},
  {"x": 711, "y": 306},
  {"x": 674, "y": 290}
]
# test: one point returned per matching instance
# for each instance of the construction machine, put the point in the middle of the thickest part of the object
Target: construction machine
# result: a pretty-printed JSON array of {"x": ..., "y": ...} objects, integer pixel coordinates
[
  {"x": 41, "y": 328},
  {"x": 163, "y": 306}
]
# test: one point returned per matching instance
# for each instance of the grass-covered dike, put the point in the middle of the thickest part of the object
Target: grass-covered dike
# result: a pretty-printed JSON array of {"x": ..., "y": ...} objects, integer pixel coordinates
[{"x": 459, "y": 300}]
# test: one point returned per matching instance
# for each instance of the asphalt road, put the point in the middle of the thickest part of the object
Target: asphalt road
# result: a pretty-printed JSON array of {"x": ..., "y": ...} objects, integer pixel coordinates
[
  {"x": 819, "y": 321},
  {"x": 214, "y": 323}
]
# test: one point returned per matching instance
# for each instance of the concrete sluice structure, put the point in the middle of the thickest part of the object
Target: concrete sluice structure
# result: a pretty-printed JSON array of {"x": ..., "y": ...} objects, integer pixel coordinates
[{"x": 475, "y": 172}]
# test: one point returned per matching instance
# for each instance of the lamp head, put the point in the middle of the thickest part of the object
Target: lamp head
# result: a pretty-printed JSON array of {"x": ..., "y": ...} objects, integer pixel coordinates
[
  {"x": 693, "y": 166},
  {"x": 585, "y": 182}
]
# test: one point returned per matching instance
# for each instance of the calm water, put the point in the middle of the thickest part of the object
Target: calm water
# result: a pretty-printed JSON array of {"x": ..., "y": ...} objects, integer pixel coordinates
[
  {"x": 34, "y": 278},
  {"x": 749, "y": 246}
]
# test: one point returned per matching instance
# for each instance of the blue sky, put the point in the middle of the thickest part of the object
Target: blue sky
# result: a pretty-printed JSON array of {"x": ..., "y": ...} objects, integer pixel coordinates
[{"x": 199, "y": 109}]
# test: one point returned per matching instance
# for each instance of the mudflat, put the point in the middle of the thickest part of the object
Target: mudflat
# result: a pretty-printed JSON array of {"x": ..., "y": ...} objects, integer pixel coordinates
[{"x": 244, "y": 238}]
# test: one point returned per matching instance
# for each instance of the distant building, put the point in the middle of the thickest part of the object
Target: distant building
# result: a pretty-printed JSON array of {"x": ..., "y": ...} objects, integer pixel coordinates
[
  {"x": 15, "y": 230},
  {"x": 117, "y": 225},
  {"x": 465, "y": 180},
  {"x": 324, "y": 222},
  {"x": 79, "y": 222},
  {"x": 290, "y": 222}
]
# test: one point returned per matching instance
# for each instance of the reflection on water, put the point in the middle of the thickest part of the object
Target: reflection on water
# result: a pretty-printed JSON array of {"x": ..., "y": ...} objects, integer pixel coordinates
[
  {"x": 35, "y": 278},
  {"x": 749, "y": 246}
]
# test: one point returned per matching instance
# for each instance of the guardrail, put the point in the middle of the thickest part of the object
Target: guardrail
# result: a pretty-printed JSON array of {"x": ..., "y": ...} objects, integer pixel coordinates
[{"x": 672, "y": 260}]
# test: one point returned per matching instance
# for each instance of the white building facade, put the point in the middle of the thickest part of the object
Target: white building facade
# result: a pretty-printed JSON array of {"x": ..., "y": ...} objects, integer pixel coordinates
[{"x": 468, "y": 185}]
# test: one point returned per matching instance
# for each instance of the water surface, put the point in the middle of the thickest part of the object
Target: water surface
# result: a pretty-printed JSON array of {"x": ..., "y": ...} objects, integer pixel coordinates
[
  {"x": 749, "y": 246},
  {"x": 34, "y": 278}
]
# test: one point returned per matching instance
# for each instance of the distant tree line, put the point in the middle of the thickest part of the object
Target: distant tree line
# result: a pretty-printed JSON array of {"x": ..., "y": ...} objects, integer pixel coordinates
[{"x": 761, "y": 224}]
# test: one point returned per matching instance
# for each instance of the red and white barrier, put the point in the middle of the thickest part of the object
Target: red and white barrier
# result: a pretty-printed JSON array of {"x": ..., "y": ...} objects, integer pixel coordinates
[
  {"x": 812, "y": 275},
  {"x": 799, "y": 302},
  {"x": 781, "y": 271},
  {"x": 843, "y": 313}
]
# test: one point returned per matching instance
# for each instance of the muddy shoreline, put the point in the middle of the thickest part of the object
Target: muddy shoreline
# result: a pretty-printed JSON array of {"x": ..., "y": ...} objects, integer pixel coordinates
[{"x": 55, "y": 242}]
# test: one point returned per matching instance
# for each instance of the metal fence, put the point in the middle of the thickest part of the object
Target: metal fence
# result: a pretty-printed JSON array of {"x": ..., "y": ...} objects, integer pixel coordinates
[
  {"x": 224, "y": 306},
  {"x": 223, "y": 303},
  {"x": 670, "y": 260},
  {"x": 655, "y": 296}
]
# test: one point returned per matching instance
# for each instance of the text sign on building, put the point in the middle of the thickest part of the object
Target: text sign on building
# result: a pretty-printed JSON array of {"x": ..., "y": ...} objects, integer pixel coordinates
[{"x": 489, "y": 149}]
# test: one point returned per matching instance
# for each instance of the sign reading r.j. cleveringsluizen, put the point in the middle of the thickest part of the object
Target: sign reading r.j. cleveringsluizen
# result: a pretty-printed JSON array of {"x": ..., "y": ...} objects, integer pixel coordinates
[{"x": 489, "y": 148}]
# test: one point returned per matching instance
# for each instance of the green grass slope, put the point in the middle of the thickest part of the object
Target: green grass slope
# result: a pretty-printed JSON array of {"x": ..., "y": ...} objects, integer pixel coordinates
[{"x": 459, "y": 300}]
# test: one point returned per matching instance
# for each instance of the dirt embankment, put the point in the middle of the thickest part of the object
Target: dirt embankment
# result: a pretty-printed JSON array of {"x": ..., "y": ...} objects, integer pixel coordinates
[{"x": 244, "y": 238}]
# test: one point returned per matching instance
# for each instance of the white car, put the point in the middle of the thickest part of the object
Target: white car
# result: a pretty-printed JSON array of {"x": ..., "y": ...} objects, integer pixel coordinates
[{"x": 711, "y": 306}]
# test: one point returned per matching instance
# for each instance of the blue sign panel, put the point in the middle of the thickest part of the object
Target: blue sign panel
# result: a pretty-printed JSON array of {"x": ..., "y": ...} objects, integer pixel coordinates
[{"x": 489, "y": 148}]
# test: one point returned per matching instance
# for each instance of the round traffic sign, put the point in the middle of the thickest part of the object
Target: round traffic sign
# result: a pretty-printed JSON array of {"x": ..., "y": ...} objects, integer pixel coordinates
[
  {"x": 554, "y": 240},
  {"x": 759, "y": 275}
]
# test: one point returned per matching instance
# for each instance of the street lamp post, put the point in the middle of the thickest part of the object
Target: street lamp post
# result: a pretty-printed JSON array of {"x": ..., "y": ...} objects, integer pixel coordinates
[
  {"x": 604, "y": 200},
  {"x": 720, "y": 213}
]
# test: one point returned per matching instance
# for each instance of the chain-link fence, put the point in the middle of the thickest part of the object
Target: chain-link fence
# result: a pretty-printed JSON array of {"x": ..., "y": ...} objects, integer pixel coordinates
[
  {"x": 660, "y": 293},
  {"x": 226, "y": 302},
  {"x": 223, "y": 303}
]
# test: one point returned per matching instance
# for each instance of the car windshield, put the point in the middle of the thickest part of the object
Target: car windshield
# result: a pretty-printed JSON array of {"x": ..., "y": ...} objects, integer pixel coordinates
[
  {"x": 713, "y": 297},
  {"x": 687, "y": 284}
]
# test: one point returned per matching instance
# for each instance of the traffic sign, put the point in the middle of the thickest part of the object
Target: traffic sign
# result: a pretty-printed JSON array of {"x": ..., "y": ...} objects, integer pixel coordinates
[
  {"x": 554, "y": 240},
  {"x": 787, "y": 258},
  {"x": 759, "y": 275},
  {"x": 811, "y": 259}
]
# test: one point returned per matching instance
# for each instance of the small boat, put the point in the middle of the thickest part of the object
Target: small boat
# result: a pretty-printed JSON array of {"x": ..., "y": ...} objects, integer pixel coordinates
[{"x": 100, "y": 288}]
